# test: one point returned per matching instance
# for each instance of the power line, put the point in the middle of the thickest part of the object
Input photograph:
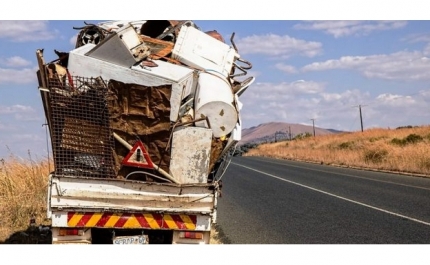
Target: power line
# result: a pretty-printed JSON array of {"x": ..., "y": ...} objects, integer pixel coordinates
[{"x": 352, "y": 124}]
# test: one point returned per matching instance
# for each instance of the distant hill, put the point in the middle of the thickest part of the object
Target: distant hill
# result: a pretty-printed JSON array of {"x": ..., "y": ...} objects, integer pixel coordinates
[
  {"x": 335, "y": 131},
  {"x": 269, "y": 132}
]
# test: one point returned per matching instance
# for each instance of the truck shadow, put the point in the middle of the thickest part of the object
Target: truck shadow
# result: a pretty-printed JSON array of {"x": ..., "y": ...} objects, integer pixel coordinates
[{"x": 32, "y": 235}]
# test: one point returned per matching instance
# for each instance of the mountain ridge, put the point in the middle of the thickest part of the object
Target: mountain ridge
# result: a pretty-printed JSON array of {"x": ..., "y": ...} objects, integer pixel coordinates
[{"x": 273, "y": 131}]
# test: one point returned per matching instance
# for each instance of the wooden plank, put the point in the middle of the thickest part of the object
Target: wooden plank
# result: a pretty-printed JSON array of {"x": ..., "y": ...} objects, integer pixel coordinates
[{"x": 159, "y": 48}]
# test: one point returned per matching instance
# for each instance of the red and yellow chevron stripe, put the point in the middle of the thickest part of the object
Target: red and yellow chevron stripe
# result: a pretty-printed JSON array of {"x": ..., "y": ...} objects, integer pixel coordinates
[{"x": 132, "y": 220}]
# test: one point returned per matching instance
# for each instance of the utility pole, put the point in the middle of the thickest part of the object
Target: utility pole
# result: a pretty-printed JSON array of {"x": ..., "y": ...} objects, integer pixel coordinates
[
  {"x": 361, "y": 116},
  {"x": 289, "y": 131},
  {"x": 313, "y": 125}
]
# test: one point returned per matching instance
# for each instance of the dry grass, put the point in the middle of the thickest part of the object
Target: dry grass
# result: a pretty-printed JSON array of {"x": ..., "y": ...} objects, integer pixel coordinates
[
  {"x": 401, "y": 150},
  {"x": 215, "y": 240},
  {"x": 23, "y": 184}
]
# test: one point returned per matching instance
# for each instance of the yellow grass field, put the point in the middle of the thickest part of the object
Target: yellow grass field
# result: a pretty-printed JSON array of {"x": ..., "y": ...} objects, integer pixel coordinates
[
  {"x": 23, "y": 190},
  {"x": 405, "y": 150}
]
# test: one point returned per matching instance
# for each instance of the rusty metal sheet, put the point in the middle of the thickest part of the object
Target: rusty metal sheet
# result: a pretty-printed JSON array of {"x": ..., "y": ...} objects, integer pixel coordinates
[
  {"x": 140, "y": 112},
  {"x": 158, "y": 48},
  {"x": 79, "y": 135}
]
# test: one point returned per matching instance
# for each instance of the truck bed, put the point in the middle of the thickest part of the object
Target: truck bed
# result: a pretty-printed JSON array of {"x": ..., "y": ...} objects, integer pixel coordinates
[{"x": 74, "y": 201}]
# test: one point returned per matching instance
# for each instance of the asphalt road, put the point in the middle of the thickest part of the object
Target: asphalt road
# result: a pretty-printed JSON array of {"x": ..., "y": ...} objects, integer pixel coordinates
[{"x": 269, "y": 201}]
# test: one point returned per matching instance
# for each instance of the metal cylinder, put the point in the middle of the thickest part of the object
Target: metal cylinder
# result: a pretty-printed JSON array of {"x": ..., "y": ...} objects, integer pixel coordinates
[{"x": 215, "y": 100}]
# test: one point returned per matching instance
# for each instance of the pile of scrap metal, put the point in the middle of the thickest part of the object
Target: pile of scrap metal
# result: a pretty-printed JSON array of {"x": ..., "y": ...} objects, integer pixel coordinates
[{"x": 144, "y": 100}]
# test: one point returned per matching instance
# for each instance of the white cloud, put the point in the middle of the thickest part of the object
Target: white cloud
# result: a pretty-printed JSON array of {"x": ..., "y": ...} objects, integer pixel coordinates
[
  {"x": 73, "y": 40},
  {"x": 390, "y": 110},
  {"x": 15, "y": 61},
  {"x": 331, "y": 97},
  {"x": 395, "y": 100},
  {"x": 279, "y": 46},
  {"x": 10, "y": 127},
  {"x": 21, "y": 130},
  {"x": 290, "y": 102},
  {"x": 335, "y": 105},
  {"x": 424, "y": 93},
  {"x": 28, "y": 136},
  {"x": 417, "y": 38},
  {"x": 16, "y": 109},
  {"x": 21, "y": 113},
  {"x": 427, "y": 50},
  {"x": 18, "y": 76},
  {"x": 350, "y": 27},
  {"x": 28, "y": 117},
  {"x": 20, "y": 144},
  {"x": 248, "y": 74},
  {"x": 26, "y": 30},
  {"x": 281, "y": 91},
  {"x": 286, "y": 68},
  {"x": 402, "y": 65},
  {"x": 306, "y": 87}
]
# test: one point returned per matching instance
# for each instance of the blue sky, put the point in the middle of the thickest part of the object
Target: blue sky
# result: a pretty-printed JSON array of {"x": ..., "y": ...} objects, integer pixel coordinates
[{"x": 305, "y": 69}]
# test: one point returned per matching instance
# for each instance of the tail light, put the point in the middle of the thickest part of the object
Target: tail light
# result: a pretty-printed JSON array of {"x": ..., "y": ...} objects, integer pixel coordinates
[
  {"x": 70, "y": 232},
  {"x": 191, "y": 235}
]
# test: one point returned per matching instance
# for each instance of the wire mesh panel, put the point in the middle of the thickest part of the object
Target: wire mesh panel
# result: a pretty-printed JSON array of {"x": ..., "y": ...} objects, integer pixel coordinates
[{"x": 82, "y": 140}]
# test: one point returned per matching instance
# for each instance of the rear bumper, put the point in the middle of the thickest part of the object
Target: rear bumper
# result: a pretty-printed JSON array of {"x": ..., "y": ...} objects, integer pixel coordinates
[{"x": 136, "y": 220}]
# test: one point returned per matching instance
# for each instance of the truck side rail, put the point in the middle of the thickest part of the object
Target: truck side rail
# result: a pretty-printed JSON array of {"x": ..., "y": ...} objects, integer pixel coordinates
[{"x": 97, "y": 194}]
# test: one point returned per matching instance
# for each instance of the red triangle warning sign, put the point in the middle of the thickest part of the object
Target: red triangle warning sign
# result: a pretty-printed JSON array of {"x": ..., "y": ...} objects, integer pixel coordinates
[{"x": 138, "y": 157}]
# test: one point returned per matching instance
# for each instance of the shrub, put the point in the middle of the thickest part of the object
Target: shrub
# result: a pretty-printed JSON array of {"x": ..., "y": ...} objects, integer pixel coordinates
[
  {"x": 404, "y": 127},
  {"x": 375, "y": 155},
  {"x": 374, "y": 139},
  {"x": 248, "y": 146},
  {"x": 302, "y": 136},
  {"x": 398, "y": 141},
  {"x": 413, "y": 138},
  {"x": 410, "y": 139},
  {"x": 346, "y": 145}
]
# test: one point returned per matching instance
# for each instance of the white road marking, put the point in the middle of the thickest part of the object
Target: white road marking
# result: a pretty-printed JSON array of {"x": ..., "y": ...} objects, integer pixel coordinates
[
  {"x": 336, "y": 196},
  {"x": 353, "y": 176}
]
